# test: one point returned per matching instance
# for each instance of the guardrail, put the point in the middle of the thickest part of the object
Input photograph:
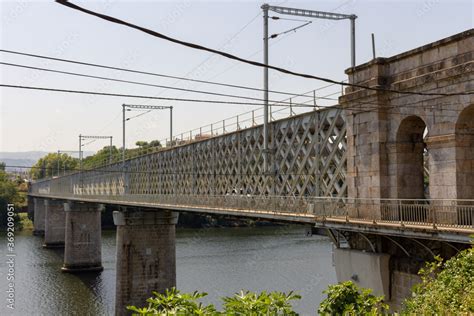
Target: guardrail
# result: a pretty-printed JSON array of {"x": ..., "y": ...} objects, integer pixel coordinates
[{"x": 432, "y": 213}]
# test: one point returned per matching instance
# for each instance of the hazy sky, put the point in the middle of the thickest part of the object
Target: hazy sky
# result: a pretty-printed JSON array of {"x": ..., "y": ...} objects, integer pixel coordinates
[{"x": 32, "y": 120}]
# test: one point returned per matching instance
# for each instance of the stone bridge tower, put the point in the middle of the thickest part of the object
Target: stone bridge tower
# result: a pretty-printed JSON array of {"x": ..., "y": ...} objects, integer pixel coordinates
[{"x": 395, "y": 140}]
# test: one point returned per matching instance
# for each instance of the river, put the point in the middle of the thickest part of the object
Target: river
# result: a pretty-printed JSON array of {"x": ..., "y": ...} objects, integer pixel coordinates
[{"x": 219, "y": 261}]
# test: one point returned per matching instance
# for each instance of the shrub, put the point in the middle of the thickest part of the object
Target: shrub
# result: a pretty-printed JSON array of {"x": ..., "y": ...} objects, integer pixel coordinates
[
  {"x": 446, "y": 288},
  {"x": 346, "y": 298}
]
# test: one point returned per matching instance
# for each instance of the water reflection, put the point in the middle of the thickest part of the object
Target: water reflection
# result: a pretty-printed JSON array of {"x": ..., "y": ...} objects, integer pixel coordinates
[{"x": 217, "y": 261}]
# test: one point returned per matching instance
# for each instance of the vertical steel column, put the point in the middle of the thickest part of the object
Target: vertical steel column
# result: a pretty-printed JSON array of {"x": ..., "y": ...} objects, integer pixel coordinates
[
  {"x": 59, "y": 159},
  {"x": 353, "y": 44},
  {"x": 171, "y": 125},
  {"x": 110, "y": 151},
  {"x": 265, "y": 87},
  {"x": 123, "y": 137},
  {"x": 80, "y": 152}
]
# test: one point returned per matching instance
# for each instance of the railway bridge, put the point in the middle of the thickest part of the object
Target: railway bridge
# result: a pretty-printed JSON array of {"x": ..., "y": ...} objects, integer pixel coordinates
[{"x": 389, "y": 176}]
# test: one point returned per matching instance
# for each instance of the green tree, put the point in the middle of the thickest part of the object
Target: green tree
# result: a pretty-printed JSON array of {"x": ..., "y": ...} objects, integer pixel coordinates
[
  {"x": 346, "y": 298},
  {"x": 446, "y": 288},
  {"x": 102, "y": 157},
  {"x": 2, "y": 166},
  {"x": 8, "y": 195},
  {"x": 172, "y": 302},
  {"x": 48, "y": 165},
  {"x": 253, "y": 304}
]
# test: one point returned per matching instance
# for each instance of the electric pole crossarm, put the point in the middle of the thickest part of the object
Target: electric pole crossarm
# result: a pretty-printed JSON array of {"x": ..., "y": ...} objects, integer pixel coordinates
[
  {"x": 147, "y": 107},
  {"x": 311, "y": 13}
]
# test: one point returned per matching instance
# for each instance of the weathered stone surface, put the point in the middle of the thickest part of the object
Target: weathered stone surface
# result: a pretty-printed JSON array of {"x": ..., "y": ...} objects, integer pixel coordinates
[
  {"x": 83, "y": 240},
  {"x": 55, "y": 221},
  {"x": 146, "y": 255},
  {"x": 385, "y": 130},
  {"x": 39, "y": 216}
]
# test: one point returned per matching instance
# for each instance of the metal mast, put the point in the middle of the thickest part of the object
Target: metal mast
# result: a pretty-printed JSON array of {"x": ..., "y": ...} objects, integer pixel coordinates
[{"x": 296, "y": 12}]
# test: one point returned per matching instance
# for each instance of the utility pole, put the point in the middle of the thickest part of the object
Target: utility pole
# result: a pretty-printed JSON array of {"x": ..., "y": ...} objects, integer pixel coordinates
[
  {"x": 295, "y": 12},
  {"x": 129, "y": 107},
  {"x": 265, "y": 8},
  {"x": 82, "y": 137}
]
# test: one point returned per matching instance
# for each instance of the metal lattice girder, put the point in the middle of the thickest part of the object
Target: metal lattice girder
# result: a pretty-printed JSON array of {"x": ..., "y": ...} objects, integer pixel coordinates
[{"x": 307, "y": 158}]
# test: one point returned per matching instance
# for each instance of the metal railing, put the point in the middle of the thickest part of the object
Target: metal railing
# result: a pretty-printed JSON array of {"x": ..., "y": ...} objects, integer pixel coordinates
[{"x": 403, "y": 212}]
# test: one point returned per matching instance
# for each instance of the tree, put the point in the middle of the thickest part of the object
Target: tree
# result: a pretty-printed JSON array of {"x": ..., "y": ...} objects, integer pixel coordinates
[
  {"x": 446, "y": 288},
  {"x": 102, "y": 157},
  {"x": 48, "y": 165},
  {"x": 8, "y": 195},
  {"x": 172, "y": 302},
  {"x": 346, "y": 298},
  {"x": 2, "y": 166},
  {"x": 249, "y": 303}
]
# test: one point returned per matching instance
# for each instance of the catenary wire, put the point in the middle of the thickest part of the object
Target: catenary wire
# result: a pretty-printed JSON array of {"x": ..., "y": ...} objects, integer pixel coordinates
[
  {"x": 134, "y": 96},
  {"x": 132, "y": 82},
  {"x": 250, "y": 62}
]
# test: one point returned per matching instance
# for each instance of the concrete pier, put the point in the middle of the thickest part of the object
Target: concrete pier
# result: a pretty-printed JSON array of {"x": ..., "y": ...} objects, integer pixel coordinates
[
  {"x": 83, "y": 240},
  {"x": 55, "y": 220},
  {"x": 39, "y": 217},
  {"x": 146, "y": 255}
]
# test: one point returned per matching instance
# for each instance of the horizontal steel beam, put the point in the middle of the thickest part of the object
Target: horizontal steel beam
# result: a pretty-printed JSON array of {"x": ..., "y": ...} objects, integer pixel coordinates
[{"x": 311, "y": 13}]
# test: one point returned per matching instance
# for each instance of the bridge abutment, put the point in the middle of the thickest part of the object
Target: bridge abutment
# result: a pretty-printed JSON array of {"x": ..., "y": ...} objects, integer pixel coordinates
[
  {"x": 55, "y": 220},
  {"x": 83, "y": 239},
  {"x": 39, "y": 216},
  {"x": 146, "y": 255}
]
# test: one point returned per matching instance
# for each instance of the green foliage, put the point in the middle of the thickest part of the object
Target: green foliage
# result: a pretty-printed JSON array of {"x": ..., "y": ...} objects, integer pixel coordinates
[
  {"x": 172, "y": 302},
  {"x": 8, "y": 195},
  {"x": 346, "y": 298},
  {"x": 249, "y": 303},
  {"x": 102, "y": 157},
  {"x": 2, "y": 166},
  {"x": 49, "y": 164},
  {"x": 446, "y": 288}
]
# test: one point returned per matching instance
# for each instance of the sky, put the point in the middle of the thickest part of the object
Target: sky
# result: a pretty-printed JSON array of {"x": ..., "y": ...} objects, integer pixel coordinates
[{"x": 48, "y": 121}]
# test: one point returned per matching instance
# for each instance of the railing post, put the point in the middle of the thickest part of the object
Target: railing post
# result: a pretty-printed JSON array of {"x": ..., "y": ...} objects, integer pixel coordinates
[{"x": 223, "y": 126}]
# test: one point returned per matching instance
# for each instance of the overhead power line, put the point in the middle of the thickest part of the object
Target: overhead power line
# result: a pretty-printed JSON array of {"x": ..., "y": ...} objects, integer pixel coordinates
[
  {"x": 136, "y": 96},
  {"x": 246, "y": 61},
  {"x": 138, "y": 82},
  {"x": 142, "y": 72}
]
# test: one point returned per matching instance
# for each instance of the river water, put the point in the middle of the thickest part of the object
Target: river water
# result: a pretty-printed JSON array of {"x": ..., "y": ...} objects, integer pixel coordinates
[{"x": 219, "y": 261}]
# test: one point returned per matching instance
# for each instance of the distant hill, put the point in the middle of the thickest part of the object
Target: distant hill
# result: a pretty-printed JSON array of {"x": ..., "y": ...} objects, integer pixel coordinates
[{"x": 24, "y": 159}]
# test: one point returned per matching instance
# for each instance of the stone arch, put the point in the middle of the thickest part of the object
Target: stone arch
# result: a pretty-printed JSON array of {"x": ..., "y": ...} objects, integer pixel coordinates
[
  {"x": 410, "y": 148},
  {"x": 464, "y": 134}
]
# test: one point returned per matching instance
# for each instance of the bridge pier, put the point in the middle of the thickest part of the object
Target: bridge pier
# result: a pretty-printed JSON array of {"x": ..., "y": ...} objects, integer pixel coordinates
[
  {"x": 146, "y": 255},
  {"x": 39, "y": 216},
  {"x": 55, "y": 220},
  {"x": 83, "y": 239}
]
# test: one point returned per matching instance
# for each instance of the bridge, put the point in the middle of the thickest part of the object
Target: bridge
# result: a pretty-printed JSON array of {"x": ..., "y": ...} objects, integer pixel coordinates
[{"x": 389, "y": 176}]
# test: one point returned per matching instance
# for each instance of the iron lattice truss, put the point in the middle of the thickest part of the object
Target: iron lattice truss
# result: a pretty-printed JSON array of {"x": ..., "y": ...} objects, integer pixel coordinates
[{"x": 307, "y": 158}]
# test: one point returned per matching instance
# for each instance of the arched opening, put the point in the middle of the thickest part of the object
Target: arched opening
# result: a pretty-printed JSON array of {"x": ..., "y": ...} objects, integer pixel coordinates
[
  {"x": 465, "y": 154},
  {"x": 411, "y": 155}
]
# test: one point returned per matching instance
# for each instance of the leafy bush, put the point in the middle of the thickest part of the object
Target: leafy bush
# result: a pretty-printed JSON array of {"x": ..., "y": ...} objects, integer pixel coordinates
[
  {"x": 446, "y": 288},
  {"x": 346, "y": 298},
  {"x": 249, "y": 303},
  {"x": 172, "y": 302}
]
